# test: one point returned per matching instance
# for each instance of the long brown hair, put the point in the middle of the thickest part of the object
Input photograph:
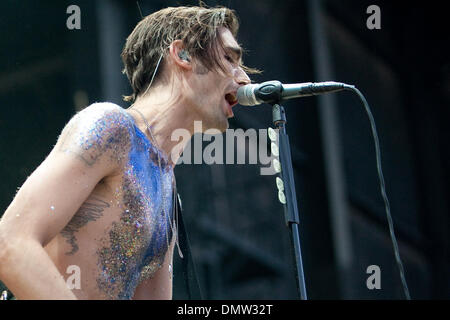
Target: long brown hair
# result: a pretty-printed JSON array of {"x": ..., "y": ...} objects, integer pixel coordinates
[{"x": 197, "y": 27}]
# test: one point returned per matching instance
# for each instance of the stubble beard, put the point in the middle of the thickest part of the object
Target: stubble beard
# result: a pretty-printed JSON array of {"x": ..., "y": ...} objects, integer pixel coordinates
[{"x": 211, "y": 119}]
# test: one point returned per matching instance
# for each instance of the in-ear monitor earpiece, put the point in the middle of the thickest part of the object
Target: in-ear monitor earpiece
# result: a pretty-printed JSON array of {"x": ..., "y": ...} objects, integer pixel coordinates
[{"x": 184, "y": 55}]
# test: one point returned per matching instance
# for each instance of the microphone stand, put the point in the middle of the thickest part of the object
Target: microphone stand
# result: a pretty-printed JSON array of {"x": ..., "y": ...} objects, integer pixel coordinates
[{"x": 289, "y": 199}]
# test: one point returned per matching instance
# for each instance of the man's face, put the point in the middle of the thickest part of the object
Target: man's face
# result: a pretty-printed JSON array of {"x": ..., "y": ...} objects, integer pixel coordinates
[{"x": 215, "y": 91}]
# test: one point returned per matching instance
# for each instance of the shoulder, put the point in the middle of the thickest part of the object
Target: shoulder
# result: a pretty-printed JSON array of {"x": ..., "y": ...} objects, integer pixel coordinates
[
  {"x": 102, "y": 118},
  {"x": 109, "y": 114},
  {"x": 98, "y": 129}
]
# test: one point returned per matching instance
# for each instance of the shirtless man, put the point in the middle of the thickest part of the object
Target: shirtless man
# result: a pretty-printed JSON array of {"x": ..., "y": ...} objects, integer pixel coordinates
[{"x": 102, "y": 200}]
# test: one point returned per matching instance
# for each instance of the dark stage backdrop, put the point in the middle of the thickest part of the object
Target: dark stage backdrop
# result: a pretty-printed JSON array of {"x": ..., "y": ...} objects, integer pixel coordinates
[{"x": 240, "y": 244}]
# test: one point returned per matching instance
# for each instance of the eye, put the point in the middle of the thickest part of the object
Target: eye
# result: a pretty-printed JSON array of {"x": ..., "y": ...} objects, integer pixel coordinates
[{"x": 229, "y": 59}]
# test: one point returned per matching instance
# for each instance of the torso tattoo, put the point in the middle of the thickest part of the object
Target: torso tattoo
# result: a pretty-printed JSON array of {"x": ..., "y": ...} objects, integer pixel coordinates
[
  {"x": 90, "y": 210},
  {"x": 135, "y": 244}
]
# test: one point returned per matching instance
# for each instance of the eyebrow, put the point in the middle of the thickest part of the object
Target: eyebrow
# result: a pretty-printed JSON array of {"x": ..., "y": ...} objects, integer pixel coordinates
[{"x": 236, "y": 50}]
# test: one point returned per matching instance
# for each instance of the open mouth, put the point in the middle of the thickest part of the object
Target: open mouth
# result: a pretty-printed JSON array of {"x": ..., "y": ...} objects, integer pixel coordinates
[
  {"x": 230, "y": 101},
  {"x": 231, "y": 98}
]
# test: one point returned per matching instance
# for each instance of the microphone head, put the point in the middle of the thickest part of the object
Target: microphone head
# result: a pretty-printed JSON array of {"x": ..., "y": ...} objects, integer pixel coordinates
[{"x": 246, "y": 95}]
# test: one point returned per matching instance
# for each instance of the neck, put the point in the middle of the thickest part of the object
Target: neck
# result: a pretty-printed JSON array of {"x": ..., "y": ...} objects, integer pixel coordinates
[{"x": 164, "y": 113}]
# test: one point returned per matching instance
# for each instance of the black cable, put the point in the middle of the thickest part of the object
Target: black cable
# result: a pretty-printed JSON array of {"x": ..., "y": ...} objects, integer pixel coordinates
[
  {"x": 190, "y": 275},
  {"x": 383, "y": 188}
]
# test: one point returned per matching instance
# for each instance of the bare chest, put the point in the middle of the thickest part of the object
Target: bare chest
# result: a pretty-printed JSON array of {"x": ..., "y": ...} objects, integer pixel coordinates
[{"x": 139, "y": 239}]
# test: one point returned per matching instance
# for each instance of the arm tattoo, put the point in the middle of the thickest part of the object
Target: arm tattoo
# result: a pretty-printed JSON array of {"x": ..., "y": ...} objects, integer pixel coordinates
[
  {"x": 68, "y": 148},
  {"x": 91, "y": 210}
]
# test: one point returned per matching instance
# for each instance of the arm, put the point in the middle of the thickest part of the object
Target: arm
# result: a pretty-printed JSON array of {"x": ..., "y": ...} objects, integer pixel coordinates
[{"x": 47, "y": 201}]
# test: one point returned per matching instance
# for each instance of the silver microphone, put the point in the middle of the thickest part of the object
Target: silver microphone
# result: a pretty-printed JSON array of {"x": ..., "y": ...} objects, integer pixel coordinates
[{"x": 275, "y": 91}]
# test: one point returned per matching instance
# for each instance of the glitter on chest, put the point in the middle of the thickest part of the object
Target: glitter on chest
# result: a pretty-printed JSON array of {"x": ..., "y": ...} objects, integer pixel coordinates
[{"x": 136, "y": 244}]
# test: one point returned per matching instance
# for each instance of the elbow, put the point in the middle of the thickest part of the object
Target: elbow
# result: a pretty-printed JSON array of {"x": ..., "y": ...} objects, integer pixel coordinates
[
  {"x": 15, "y": 246},
  {"x": 14, "y": 250},
  {"x": 4, "y": 253},
  {"x": 9, "y": 248}
]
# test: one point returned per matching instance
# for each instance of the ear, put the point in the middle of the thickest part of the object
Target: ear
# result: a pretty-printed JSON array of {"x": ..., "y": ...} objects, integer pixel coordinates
[{"x": 178, "y": 56}]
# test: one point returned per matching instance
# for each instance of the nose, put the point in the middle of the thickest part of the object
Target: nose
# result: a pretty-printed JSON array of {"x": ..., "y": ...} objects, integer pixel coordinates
[{"x": 241, "y": 77}]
